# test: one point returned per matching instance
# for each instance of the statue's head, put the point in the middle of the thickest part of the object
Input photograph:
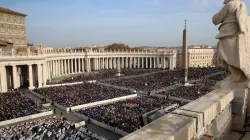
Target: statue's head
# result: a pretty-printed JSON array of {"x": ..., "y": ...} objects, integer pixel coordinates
[{"x": 227, "y": 1}]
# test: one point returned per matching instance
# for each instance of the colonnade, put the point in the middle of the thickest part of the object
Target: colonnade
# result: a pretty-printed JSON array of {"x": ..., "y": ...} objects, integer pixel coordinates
[
  {"x": 31, "y": 71},
  {"x": 62, "y": 66}
]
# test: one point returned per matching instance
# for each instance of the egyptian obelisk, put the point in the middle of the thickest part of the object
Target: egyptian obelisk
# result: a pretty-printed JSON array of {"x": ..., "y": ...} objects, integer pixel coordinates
[{"x": 185, "y": 53}]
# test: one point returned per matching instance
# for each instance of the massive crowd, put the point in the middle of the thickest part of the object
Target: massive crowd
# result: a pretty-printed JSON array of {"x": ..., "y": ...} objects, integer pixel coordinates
[
  {"x": 14, "y": 105},
  {"x": 72, "y": 95},
  {"x": 50, "y": 128},
  {"x": 150, "y": 82},
  {"x": 194, "y": 73},
  {"x": 104, "y": 74},
  {"x": 126, "y": 115},
  {"x": 160, "y": 80},
  {"x": 197, "y": 90}
]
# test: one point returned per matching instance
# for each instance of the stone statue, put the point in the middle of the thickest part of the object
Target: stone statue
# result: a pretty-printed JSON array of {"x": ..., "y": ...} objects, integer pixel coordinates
[{"x": 234, "y": 43}]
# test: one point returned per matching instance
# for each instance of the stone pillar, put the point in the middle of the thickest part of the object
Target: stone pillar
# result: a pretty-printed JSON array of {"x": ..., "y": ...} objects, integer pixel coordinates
[
  {"x": 170, "y": 62},
  {"x": 39, "y": 75},
  {"x": 89, "y": 65},
  {"x": 142, "y": 61},
  {"x": 126, "y": 62},
  {"x": 163, "y": 62},
  {"x": 44, "y": 74},
  {"x": 114, "y": 62},
  {"x": 65, "y": 66},
  {"x": 99, "y": 63},
  {"x": 54, "y": 67},
  {"x": 151, "y": 62},
  {"x": 103, "y": 63},
  {"x": 134, "y": 62},
  {"x": 79, "y": 65},
  {"x": 122, "y": 63},
  {"x": 56, "y": 63},
  {"x": 107, "y": 63},
  {"x": 75, "y": 66},
  {"x": 61, "y": 66},
  {"x": 83, "y": 65},
  {"x": 131, "y": 63},
  {"x": 68, "y": 66},
  {"x": 146, "y": 62},
  {"x": 154, "y": 59},
  {"x": 72, "y": 66},
  {"x": 158, "y": 62},
  {"x": 14, "y": 74},
  {"x": 31, "y": 86},
  {"x": 139, "y": 62},
  {"x": 174, "y": 61},
  {"x": 3, "y": 79}
]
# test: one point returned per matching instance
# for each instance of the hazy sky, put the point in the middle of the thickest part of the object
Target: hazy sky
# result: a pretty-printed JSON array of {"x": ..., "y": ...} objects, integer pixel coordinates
[{"x": 71, "y": 23}]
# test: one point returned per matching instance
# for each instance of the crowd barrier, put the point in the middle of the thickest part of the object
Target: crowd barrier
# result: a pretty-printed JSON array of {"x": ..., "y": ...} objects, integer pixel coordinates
[
  {"x": 63, "y": 84},
  {"x": 179, "y": 99},
  {"x": 84, "y": 106},
  {"x": 26, "y": 118},
  {"x": 102, "y": 125}
]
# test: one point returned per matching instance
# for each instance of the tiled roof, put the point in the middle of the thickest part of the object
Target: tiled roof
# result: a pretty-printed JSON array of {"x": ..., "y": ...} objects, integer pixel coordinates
[{"x": 6, "y": 10}]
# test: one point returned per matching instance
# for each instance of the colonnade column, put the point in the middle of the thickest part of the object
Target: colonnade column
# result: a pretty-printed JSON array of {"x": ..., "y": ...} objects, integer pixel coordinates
[
  {"x": 174, "y": 61},
  {"x": 75, "y": 66},
  {"x": 14, "y": 75},
  {"x": 44, "y": 74},
  {"x": 39, "y": 75},
  {"x": 72, "y": 66},
  {"x": 114, "y": 63},
  {"x": 118, "y": 63},
  {"x": 170, "y": 62},
  {"x": 103, "y": 63},
  {"x": 134, "y": 62},
  {"x": 131, "y": 63},
  {"x": 126, "y": 62},
  {"x": 107, "y": 62},
  {"x": 146, "y": 62},
  {"x": 3, "y": 82},
  {"x": 54, "y": 67},
  {"x": 139, "y": 62},
  {"x": 79, "y": 65},
  {"x": 158, "y": 61},
  {"x": 154, "y": 59},
  {"x": 83, "y": 65},
  {"x": 151, "y": 62},
  {"x": 65, "y": 67},
  {"x": 31, "y": 86},
  {"x": 142, "y": 61},
  {"x": 68, "y": 66},
  {"x": 99, "y": 63},
  {"x": 163, "y": 62},
  {"x": 122, "y": 63}
]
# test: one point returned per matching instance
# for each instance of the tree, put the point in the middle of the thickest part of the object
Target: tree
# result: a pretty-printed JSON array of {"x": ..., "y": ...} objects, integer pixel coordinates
[{"x": 117, "y": 46}]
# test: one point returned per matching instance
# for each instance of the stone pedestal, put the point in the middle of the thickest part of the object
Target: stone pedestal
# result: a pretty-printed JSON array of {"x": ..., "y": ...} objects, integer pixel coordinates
[{"x": 239, "y": 103}]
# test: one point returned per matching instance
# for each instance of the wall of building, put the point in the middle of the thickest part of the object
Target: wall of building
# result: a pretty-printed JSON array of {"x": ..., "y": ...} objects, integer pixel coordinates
[{"x": 13, "y": 29}]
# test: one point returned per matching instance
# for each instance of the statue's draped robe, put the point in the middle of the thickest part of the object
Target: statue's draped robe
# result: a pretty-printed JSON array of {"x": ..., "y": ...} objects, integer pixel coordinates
[{"x": 234, "y": 37}]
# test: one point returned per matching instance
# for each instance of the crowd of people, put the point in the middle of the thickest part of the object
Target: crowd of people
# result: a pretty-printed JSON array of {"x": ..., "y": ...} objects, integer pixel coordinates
[
  {"x": 103, "y": 75},
  {"x": 72, "y": 95},
  {"x": 127, "y": 115},
  {"x": 15, "y": 104},
  {"x": 197, "y": 90},
  {"x": 149, "y": 82},
  {"x": 160, "y": 80},
  {"x": 194, "y": 73},
  {"x": 51, "y": 128}
]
